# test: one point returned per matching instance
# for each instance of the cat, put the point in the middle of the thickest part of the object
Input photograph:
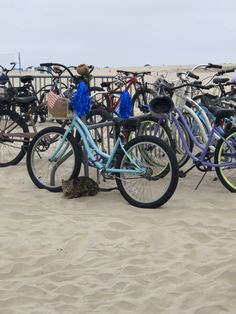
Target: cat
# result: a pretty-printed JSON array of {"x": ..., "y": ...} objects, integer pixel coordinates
[{"x": 81, "y": 186}]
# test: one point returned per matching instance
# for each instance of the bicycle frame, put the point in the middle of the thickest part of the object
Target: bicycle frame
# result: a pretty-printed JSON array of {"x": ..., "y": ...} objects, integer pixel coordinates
[
  {"x": 206, "y": 148},
  {"x": 90, "y": 145},
  {"x": 7, "y": 135}
]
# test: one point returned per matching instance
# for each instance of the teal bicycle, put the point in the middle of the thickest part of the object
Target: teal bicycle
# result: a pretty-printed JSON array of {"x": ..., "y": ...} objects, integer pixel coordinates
[{"x": 145, "y": 169}]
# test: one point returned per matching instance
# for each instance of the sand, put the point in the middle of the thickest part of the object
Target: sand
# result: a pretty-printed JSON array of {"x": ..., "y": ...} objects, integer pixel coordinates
[{"x": 101, "y": 255}]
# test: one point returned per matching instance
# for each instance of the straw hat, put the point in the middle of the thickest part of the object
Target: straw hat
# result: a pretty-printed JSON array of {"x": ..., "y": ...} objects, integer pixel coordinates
[
  {"x": 57, "y": 69},
  {"x": 82, "y": 69}
]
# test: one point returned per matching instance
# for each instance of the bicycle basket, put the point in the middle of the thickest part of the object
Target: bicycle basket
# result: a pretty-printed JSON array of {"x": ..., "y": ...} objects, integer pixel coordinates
[
  {"x": 58, "y": 106},
  {"x": 178, "y": 96}
]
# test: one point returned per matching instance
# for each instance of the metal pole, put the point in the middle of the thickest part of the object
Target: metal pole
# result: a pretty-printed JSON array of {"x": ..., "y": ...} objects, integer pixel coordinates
[{"x": 19, "y": 61}]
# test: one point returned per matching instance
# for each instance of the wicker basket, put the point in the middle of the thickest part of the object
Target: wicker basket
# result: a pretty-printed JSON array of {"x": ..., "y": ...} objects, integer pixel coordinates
[{"x": 58, "y": 106}]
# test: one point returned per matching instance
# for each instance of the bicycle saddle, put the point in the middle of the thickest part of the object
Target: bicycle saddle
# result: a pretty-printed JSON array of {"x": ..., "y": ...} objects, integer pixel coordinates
[
  {"x": 221, "y": 113},
  {"x": 106, "y": 84},
  {"x": 220, "y": 80},
  {"x": 130, "y": 123},
  {"x": 25, "y": 100},
  {"x": 27, "y": 79}
]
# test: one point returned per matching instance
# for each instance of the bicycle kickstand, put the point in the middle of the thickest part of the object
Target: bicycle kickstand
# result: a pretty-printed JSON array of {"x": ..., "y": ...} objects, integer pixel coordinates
[{"x": 182, "y": 174}]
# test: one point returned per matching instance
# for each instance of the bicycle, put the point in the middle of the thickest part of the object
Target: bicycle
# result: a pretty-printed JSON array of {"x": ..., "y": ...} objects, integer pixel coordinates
[
  {"x": 125, "y": 80},
  {"x": 224, "y": 153},
  {"x": 145, "y": 169},
  {"x": 15, "y": 135}
]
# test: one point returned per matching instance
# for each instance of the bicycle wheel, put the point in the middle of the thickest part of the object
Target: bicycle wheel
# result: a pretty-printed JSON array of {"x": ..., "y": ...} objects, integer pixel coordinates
[
  {"x": 195, "y": 127},
  {"x": 97, "y": 116},
  {"x": 14, "y": 141},
  {"x": 156, "y": 186},
  {"x": 46, "y": 173},
  {"x": 142, "y": 98},
  {"x": 153, "y": 126},
  {"x": 226, "y": 153},
  {"x": 180, "y": 151}
]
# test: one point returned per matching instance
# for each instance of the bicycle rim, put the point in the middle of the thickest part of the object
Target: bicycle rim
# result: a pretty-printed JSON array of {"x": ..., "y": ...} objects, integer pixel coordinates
[
  {"x": 154, "y": 188},
  {"x": 47, "y": 173},
  {"x": 13, "y": 142},
  {"x": 226, "y": 152}
]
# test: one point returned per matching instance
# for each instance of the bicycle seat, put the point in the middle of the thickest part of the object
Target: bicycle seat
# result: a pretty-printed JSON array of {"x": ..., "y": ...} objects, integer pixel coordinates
[
  {"x": 221, "y": 113},
  {"x": 25, "y": 100},
  {"x": 106, "y": 84},
  {"x": 27, "y": 79},
  {"x": 130, "y": 123},
  {"x": 220, "y": 80}
]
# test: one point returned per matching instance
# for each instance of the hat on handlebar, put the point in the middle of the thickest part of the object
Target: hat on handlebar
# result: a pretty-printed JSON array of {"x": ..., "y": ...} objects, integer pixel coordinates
[
  {"x": 82, "y": 69},
  {"x": 161, "y": 105}
]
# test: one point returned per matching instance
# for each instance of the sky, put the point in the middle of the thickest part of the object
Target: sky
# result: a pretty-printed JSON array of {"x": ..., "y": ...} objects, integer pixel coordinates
[{"x": 118, "y": 32}]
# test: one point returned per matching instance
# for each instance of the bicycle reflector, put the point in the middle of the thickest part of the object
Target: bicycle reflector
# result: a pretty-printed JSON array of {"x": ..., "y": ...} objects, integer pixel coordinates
[{"x": 161, "y": 105}]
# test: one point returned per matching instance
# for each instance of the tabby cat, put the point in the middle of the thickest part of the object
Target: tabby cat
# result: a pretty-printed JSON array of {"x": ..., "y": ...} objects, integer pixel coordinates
[{"x": 81, "y": 186}]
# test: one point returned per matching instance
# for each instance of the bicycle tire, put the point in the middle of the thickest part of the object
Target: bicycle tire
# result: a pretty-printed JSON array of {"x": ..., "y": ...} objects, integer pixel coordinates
[
  {"x": 224, "y": 153},
  {"x": 181, "y": 154},
  {"x": 14, "y": 148},
  {"x": 47, "y": 174},
  {"x": 141, "y": 99},
  {"x": 97, "y": 116},
  {"x": 147, "y": 127},
  {"x": 161, "y": 188}
]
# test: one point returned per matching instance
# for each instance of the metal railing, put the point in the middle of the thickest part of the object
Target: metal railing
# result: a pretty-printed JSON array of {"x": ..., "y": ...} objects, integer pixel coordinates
[{"x": 42, "y": 80}]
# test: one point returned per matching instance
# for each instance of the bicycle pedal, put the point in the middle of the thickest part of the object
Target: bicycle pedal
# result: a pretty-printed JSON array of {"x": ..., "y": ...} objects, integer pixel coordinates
[{"x": 182, "y": 174}]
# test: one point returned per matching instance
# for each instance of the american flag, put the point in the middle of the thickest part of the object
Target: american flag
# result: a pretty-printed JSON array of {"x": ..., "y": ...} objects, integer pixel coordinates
[{"x": 52, "y": 98}]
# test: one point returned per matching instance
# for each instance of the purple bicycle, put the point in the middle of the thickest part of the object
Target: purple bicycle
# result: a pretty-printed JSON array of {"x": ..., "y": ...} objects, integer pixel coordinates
[{"x": 221, "y": 156}]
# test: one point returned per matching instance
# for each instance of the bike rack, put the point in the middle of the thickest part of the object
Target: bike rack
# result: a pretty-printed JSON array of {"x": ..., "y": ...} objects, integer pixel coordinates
[{"x": 105, "y": 137}]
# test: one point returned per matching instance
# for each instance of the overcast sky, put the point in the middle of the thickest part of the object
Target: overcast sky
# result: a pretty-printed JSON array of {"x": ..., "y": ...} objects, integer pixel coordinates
[{"x": 118, "y": 32}]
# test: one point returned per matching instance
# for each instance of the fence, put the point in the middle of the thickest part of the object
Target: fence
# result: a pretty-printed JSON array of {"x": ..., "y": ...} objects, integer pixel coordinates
[{"x": 41, "y": 81}]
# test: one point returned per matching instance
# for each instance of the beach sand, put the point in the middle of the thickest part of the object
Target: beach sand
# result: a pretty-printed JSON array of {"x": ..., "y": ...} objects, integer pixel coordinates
[{"x": 101, "y": 255}]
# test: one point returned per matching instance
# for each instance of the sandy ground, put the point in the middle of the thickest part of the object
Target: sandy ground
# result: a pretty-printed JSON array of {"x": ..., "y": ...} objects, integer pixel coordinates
[{"x": 101, "y": 255}]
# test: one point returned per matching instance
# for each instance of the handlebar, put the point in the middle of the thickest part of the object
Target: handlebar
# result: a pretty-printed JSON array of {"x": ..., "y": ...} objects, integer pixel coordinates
[
  {"x": 91, "y": 68},
  {"x": 134, "y": 73},
  {"x": 198, "y": 86},
  {"x": 212, "y": 65},
  {"x": 51, "y": 64},
  {"x": 225, "y": 71},
  {"x": 194, "y": 76},
  {"x": 8, "y": 70}
]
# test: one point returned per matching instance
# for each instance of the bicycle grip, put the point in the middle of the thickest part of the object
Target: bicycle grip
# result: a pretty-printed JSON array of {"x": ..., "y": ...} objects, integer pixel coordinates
[
  {"x": 194, "y": 76},
  {"x": 216, "y": 66},
  {"x": 48, "y": 64},
  {"x": 225, "y": 71},
  {"x": 91, "y": 68}
]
